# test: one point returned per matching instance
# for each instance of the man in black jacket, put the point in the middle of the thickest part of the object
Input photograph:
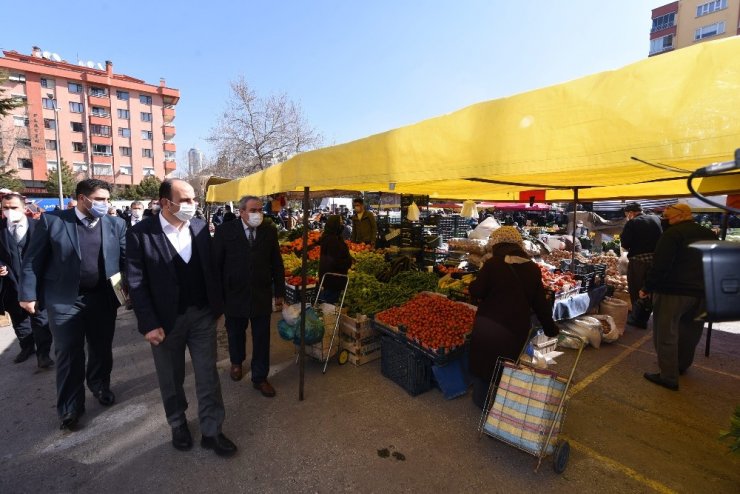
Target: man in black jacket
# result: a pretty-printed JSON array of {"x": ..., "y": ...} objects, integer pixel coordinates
[
  {"x": 639, "y": 237},
  {"x": 250, "y": 271},
  {"x": 174, "y": 295},
  {"x": 32, "y": 331},
  {"x": 676, "y": 282}
]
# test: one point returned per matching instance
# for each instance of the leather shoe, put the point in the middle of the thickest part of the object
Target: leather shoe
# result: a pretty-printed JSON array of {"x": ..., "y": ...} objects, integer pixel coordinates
[
  {"x": 24, "y": 355},
  {"x": 657, "y": 379},
  {"x": 236, "y": 372},
  {"x": 266, "y": 389},
  {"x": 44, "y": 361},
  {"x": 181, "y": 438},
  {"x": 220, "y": 444},
  {"x": 105, "y": 397},
  {"x": 70, "y": 419}
]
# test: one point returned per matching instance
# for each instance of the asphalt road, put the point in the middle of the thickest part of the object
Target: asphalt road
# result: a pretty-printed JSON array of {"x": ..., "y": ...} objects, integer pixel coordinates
[{"x": 627, "y": 435}]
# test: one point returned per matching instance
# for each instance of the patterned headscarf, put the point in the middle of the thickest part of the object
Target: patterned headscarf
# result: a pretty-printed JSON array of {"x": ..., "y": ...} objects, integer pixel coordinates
[{"x": 506, "y": 235}]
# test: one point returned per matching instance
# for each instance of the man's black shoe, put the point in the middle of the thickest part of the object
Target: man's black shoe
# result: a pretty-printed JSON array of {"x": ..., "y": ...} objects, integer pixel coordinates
[
  {"x": 105, "y": 397},
  {"x": 657, "y": 379},
  {"x": 220, "y": 444},
  {"x": 44, "y": 361},
  {"x": 70, "y": 419},
  {"x": 24, "y": 355},
  {"x": 181, "y": 437}
]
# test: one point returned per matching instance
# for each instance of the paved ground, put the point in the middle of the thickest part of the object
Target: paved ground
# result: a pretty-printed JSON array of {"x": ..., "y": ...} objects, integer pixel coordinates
[{"x": 627, "y": 434}]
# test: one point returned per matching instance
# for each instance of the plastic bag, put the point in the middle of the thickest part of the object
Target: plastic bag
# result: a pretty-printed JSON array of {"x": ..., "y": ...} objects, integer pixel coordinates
[
  {"x": 469, "y": 210},
  {"x": 291, "y": 313},
  {"x": 314, "y": 328},
  {"x": 413, "y": 214},
  {"x": 623, "y": 263},
  {"x": 484, "y": 229},
  {"x": 286, "y": 331},
  {"x": 587, "y": 328}
]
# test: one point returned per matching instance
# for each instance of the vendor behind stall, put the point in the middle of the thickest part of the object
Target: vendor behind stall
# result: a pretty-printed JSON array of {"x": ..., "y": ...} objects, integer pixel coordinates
[
  {"x": 509, "y": 287},
  {"x": 335, "y": 258},
  {"x": 364, "y": 227}
]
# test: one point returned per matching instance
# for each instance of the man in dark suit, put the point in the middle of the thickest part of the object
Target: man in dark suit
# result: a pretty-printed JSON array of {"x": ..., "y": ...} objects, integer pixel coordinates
[
  {"x": 137, "y": 214},
  {"x": 176, "y": 304},
  {"x": 228, "y": 215},
  {"x": 67, "y": 269},
  {"x": 250, "y": 272},
  {"x": 32, "y": 331}
]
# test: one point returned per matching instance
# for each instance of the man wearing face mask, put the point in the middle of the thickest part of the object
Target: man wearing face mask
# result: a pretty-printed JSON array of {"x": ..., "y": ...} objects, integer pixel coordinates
[
  {"x": 137, "y": 214},
  {"x": 153, "y": 208},
  {"x": 250, "y": 272},
  {"x": 364, "y": 226},
  {"x": 176, "y": 301},
  {"x": 32, "y": 330},
  {"x": 77, "y": 252}
]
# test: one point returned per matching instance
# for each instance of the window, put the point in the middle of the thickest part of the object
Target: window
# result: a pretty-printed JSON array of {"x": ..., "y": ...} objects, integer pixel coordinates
[
  {"x": 20, "y": 121},
  {"x": 78, "y": 147},
  {"x": 47, "y": 83},
  {"x": 98, "y": 92},
  {"x": 147, "y": 135},
  {"x": 124, "y": 132},
  {"x": 51, "y": 165},
  {"x": 145, "y": 100},
  {"x": 664, "y": 22},
  {"x": 123, "y": 114},
  {"x": 47, "y": 103},
  {"x": 99, "y": 111},
  {"x": 75, "y": 107},
  {"x": 709, "y": 7},
  {"x": 146, "y": 153},
  {"x": 709, "y": 31},
  {"x": 23, "y": 142},
  {"x": 50, "y": 124},
  {"x": 100, "y": 130},
  {"x": 51, "y": 145},
  {"x": 102, "y": 150},
  {"x": 170, "y": 156},
  {"x": 17, "y": 77},
  {"x": 122, "y": 95},
  {"x": 125, "y": 170},
  {"x": 102, "y": 169},
  {"x": 78, "y": 127},
  {"x": 125, "y": 151},
  {"x": 148, "y": 172},
  {"x": 74, "y": 87},
  {"x": 79, "y": 167},
  {"x": 25, "y": 163},
  {"x": 146, "y": 117},
  {"x": 662, "y": 44}
]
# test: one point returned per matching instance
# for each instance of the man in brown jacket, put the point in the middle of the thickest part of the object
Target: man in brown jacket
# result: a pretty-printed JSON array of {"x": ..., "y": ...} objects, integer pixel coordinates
[{"x": 364, "y": 226}]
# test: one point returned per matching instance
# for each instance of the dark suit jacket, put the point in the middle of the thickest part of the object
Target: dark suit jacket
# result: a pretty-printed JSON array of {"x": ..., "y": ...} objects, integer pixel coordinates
[
  {"x": 54, "y": 254},
  {"x": 9, "y": 285},
  {"x": 248, "y": 276},
  {"x": 152, "y": 279}
]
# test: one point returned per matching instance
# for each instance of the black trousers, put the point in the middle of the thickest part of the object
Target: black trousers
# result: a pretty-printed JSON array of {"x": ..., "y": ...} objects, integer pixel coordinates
[
  {"x": 236, "y": 328},
  {"x": 91, "y": 319},
  {"x": 31, "y": 330},
  {"x": 636, "y": 276}
]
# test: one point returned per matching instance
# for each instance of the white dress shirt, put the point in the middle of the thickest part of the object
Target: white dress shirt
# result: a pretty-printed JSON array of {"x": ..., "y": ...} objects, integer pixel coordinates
[
  {"x": 20, "y": 228},
  {"x": 179, "y": 238},
  {"x": 84, "y": 219}
]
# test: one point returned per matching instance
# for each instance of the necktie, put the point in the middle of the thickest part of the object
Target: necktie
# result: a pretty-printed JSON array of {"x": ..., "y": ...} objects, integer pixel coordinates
[
  {"x": 90, "y": 221},
  {"x": 251, "y": 235},
  {"x": 18, "y": 232}
]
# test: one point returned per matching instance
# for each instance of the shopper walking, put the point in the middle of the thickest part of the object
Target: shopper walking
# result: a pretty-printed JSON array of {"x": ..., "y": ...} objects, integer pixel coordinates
[{"x": 335, "y": 258}]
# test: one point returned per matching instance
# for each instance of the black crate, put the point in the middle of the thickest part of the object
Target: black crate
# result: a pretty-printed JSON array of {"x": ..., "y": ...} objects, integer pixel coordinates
[
  {"x": 587, "y": 281},
  {"x": 404, "y": 366},
  {"x": 293, "y": 294}
]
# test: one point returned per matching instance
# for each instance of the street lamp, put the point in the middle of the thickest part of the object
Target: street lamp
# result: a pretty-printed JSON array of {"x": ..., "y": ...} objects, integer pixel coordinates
[{"x": 55, "y": 107}]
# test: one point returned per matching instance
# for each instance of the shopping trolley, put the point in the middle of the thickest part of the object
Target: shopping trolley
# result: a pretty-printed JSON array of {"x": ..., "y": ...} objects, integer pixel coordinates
[{"x": 525, "y": 407}]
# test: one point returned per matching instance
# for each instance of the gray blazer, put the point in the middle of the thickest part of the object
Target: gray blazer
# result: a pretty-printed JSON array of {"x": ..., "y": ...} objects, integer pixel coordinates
[{"x": 54, "y": 254}]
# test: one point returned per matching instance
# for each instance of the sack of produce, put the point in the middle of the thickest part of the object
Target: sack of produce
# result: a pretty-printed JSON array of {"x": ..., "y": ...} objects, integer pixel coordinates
[
  {"x": 286, "y": 331},
  {"x": 587, "y": 327},
  {"x": 484, "y": 229},
  {"x": 609, "y": 331},
  {"x": 314, "y": 328},
  {"x": 617, "y": 309},
  {"x": 565, "y": 341}
]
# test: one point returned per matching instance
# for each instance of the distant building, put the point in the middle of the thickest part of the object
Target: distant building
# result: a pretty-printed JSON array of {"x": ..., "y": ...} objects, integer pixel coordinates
[
  {"x": 685, "y": 23},
  {"x": 108, "y": 126},
  {"x": 195, "y": 161}
]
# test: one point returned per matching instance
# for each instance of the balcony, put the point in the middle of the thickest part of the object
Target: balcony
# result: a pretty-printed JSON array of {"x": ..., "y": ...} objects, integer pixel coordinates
[
  {"x": 103, "y": 140},
  {"x": 170, "y": 147},
  {"x": 97, "y": 120},
  {"x": 169, "y": 131},
  {"x": 99, "y": 101},
  {"x": 169, "y": 166},
  {"x": 168, "y": 114}
]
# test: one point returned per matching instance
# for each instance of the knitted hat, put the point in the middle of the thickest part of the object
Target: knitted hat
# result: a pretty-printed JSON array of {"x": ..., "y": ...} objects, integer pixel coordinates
[
  {"x": 682, "y": 211},
  {"x": 506, "y": 235}
]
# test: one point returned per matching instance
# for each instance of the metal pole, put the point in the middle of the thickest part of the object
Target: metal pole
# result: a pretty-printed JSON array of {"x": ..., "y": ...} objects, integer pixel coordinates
[
  {"x": 575, "y": 221},
  {"x": 304, "y": 268},
  {"x": 58, "y": 146}
]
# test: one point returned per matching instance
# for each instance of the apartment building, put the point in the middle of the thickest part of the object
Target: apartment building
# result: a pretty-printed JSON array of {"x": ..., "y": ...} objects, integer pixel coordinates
[
  {"x": 105, "y": 125},
  {"x": 687, "y": 22}
]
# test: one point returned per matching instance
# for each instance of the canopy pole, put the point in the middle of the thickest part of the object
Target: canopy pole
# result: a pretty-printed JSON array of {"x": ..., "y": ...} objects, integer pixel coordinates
[
  {"x": 575, "y": 221},
  {"x": 304, "y": 268}
]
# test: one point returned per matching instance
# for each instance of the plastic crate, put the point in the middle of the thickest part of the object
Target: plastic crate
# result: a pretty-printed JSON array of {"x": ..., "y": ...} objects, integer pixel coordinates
[
  {"x": 587, "y": 281},
  {"x": 293, "y": 294},
  {"x": 404, "y": 366}
]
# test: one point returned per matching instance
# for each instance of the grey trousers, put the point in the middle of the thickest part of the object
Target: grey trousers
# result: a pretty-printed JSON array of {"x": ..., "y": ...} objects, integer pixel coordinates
[
  {"x": 196, "y": 330},
  {"x": 675, "y": 332}
]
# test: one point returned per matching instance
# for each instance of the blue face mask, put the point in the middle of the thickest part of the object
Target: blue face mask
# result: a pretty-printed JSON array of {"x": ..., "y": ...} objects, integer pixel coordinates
[{"x": 98, "y": 209}]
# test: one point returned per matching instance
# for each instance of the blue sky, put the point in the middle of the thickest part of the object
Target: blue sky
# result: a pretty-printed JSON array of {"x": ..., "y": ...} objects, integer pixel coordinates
[{"x": 357, "y": 68}]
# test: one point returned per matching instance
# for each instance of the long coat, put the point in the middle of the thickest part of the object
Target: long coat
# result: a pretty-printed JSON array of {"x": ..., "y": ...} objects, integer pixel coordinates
[
  {"x": 248, "y": 275},
  {"x": 509, "y": 287}
]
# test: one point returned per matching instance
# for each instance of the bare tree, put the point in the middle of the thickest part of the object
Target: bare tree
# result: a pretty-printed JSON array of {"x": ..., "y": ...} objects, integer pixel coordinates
[{"x": 256, "y": 132}]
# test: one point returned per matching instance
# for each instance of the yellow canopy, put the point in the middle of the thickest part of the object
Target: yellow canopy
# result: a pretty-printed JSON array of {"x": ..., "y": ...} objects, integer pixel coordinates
[{"x": 678, "y": 109}]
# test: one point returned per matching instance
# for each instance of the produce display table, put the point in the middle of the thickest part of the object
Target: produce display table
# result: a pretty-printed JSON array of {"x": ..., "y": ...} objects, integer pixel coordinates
[{"x": 578, "y": 305}]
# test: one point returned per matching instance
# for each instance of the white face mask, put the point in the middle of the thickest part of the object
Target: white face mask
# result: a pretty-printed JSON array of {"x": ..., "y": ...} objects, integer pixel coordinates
[
  {"x": 185, "y": 213},
  {"x": 254, "y": 219},
  {"x": 136, "y": 213},
  {"x": 13, "y": 215}
]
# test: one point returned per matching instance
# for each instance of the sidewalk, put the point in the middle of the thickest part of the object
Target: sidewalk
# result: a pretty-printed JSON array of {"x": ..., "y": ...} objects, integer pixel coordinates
[{"x": 627, "y": 435}]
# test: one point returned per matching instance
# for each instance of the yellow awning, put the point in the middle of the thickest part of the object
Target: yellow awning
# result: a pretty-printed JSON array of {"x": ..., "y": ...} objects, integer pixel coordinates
[{"x": 678, "y": 109}]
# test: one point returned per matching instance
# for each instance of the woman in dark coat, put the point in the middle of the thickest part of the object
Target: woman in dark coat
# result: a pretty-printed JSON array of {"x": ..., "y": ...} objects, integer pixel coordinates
[
  {"x": 509, "y": 287},
  {"x": 335, "y": 258}
]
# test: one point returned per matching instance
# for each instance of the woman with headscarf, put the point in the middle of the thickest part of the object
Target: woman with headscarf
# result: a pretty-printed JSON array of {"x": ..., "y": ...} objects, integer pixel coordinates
[
  {"x": 509, "y": 288},
  {"x": 335, "y": 258}
]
